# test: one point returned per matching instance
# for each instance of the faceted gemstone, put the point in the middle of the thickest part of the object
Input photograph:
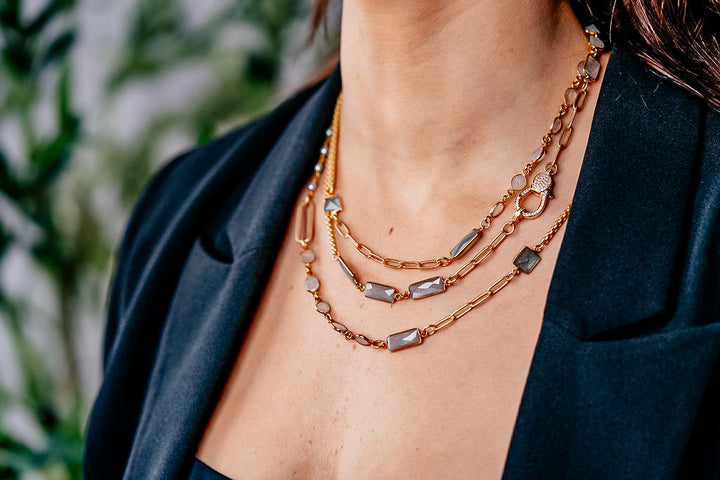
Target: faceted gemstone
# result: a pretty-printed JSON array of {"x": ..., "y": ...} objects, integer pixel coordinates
[
  {"x": 581, "y": 68},
  {"x": 377, "y": 291},
  {"x": 323, "y": 150},
  {"x": 362, "y": 340},
  {"x": 307, "y": 256},
  {"x": 592, "y": 67},
  {"x": 426, "y": 288},
  {"x": 465, "y": 243},
  {"x": 345, "y": 268},
  {"x": 592, "y": 29},
  {"x": 556, "y": 126},
  {"x": 339, "y": 327},
  {"x": 518, "y": 182},
  {"x": 312, "y": 284},
  {"x": 497, "y": 209},
  {"x": 538, "y": 154},
  {"x": 596, "y": 42},
  {"x": 311, "y": 186},
  {"x": 400, "y": 340},
  {"x": 333, "y": 204},
  {"x": 328, "y": 132},
  {"x": 319, "y": 167},
  {"x": 526, "y": 259},
  {"x": 322, "y": 307}
]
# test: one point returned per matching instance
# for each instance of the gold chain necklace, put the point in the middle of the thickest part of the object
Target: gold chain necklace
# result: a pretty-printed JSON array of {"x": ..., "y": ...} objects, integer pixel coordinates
[
  {"x": 541, "y": 186},
  {"x": 525, "y": 261}
]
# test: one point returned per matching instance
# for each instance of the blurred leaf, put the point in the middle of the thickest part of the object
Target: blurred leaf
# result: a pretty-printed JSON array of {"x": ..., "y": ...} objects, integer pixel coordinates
[{"x": 59, "y": 47}]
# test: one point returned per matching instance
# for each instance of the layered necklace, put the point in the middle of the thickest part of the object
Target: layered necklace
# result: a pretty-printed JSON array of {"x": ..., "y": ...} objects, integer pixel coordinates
[{"x": 561, "y": 129}]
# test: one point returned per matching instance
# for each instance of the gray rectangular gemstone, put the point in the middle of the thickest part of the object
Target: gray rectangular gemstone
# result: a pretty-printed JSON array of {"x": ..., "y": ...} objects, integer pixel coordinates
[
  {"x": 400, "y": 340},
  {"x": 464, "y": 244},
  {"x": 526, "y": 259},
  {"x": 377, "y": 291},
  {"x": 426, "y": 288},
  {"x": 346, "y": 268},
  {"x": 592, "y": 67}
]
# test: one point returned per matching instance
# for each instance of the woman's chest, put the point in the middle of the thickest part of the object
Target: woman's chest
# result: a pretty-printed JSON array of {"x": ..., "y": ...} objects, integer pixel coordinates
[{"x": 302, "y": 400}]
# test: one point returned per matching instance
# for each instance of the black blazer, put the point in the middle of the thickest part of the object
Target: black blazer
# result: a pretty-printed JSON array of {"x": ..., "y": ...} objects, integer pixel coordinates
[{"x": 625, "y": 380}]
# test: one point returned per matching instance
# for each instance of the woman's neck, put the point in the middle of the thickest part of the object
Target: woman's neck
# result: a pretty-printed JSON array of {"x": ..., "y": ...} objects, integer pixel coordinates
[{"x": 432, "y": 82}]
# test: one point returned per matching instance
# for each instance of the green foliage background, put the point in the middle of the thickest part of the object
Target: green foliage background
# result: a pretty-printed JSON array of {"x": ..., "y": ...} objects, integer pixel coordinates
[{"x": 72, "y": 163}]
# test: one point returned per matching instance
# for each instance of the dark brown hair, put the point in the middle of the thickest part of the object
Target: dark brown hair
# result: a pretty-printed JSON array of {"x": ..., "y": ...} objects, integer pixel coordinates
[{"x": 678, "y": 38}]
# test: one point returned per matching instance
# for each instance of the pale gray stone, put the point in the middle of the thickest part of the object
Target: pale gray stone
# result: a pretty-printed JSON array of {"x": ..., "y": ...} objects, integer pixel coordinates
[
  {"x": 362, "y": 340},
  {"x": 537, "y": 154},
  {"x": 497, "y": 209},
  {"x": 592, "y": 29},
  {"x": 377, "y": 291},
  {"x": 592, "y": 67},
  {"x": 427, "y": 288},
  {"x": 465, "y": 244},
  {"x": 307, "y": 256},
  {"x": 312, "y": 284},
  {"x": 596, "y": 42},
  {"x": 346, "y": 268},
  {"x": 322, "y": 307},
  {"x": 518, "y": 182},
  {"x": 333, "y": 204},
  {"x": 338, "y": 327},
  {"x": 405, "y": 339}
]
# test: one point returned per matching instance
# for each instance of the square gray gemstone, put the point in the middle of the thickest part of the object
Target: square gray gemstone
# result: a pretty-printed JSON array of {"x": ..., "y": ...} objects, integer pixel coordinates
[
  {"x": 592, "y": 67},
  {"x": 400, "y": 340},
  {"x": 465, "y": 243},
  {"x": 378, "y": 291},
  {"x": 526, "y": 259},
  {"x": 333, "y": 204},
  {"x": 426, "y": 288}
]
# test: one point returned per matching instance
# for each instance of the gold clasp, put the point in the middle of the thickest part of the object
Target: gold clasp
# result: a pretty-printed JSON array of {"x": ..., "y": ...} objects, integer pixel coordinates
[{"x": 542, "y": 187}]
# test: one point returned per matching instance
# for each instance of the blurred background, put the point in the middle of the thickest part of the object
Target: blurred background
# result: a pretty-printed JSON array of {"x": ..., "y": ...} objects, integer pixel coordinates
[{"x": 95, "y": 95}]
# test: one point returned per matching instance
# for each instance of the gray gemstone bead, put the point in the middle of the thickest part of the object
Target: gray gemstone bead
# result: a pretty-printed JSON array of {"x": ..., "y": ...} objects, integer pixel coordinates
[
  {"x": 362, "y": 340},
  {"x": 405, "y": 339},
  {"x": 537, "y": 154},
  {"x": 322, "y": 307},
  {"x": 570, "y": 96},
  {"x": 592, "y": 28},
  {"x": 307, "y": 256},
  {"x": 581, "y": 67},
  {"x": 346, "y": 268},
  {"x": 518, "y": 182},
  {"x": 333, "y": 204},
  {"x": 596, "y": 42},
  {"x": 465, "y": 243},
  {"x": 377, "y": 291},
  {"x": 526, "y": 259},
  {"x": 427, "y": 288},
  {"x": 338, "y": 327},
  {"x": 312, "y": 284},
  {"x": 556, "y": 126},
  {"x": 592, "y": 67},
  {"x": 497, "y": 209}
]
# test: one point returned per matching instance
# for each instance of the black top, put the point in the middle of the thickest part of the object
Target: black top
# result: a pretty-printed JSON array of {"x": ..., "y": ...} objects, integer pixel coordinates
[
  {"x": 625, "y": 379},
  {"x": 200, "y": 471}
]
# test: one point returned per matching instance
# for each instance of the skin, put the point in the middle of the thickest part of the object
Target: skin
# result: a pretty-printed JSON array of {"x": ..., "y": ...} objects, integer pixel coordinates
[{"x": 443, "y": 102}]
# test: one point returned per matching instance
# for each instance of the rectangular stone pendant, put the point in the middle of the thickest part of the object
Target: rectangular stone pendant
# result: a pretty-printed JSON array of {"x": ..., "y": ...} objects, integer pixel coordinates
[
  {"x": 346, "y": 268},
  {"x": 526, "y": 259},
  {"x": 465, "y": 244},
  {"x": 427, "y": 288},
  {"x": 400, "y": 340},
  {"x": 377, "y": 291}
]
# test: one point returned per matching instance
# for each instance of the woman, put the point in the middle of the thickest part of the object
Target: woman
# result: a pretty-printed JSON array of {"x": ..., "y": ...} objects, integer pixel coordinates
[{"x": 600, "y": 361}]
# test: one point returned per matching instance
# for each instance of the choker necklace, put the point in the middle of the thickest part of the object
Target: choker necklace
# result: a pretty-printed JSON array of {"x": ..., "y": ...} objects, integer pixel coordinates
[{"x": 524, "y": 261}]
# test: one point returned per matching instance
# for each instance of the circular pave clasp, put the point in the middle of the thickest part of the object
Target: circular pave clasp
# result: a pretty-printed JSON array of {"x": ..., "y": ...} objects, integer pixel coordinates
[{"x": 541, "y": 186}]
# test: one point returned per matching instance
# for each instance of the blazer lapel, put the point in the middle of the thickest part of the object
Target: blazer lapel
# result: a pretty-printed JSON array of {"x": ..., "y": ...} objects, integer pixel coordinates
[
  {"x": 217, "y": 293},
  {"x": 613, "y": 356}
]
